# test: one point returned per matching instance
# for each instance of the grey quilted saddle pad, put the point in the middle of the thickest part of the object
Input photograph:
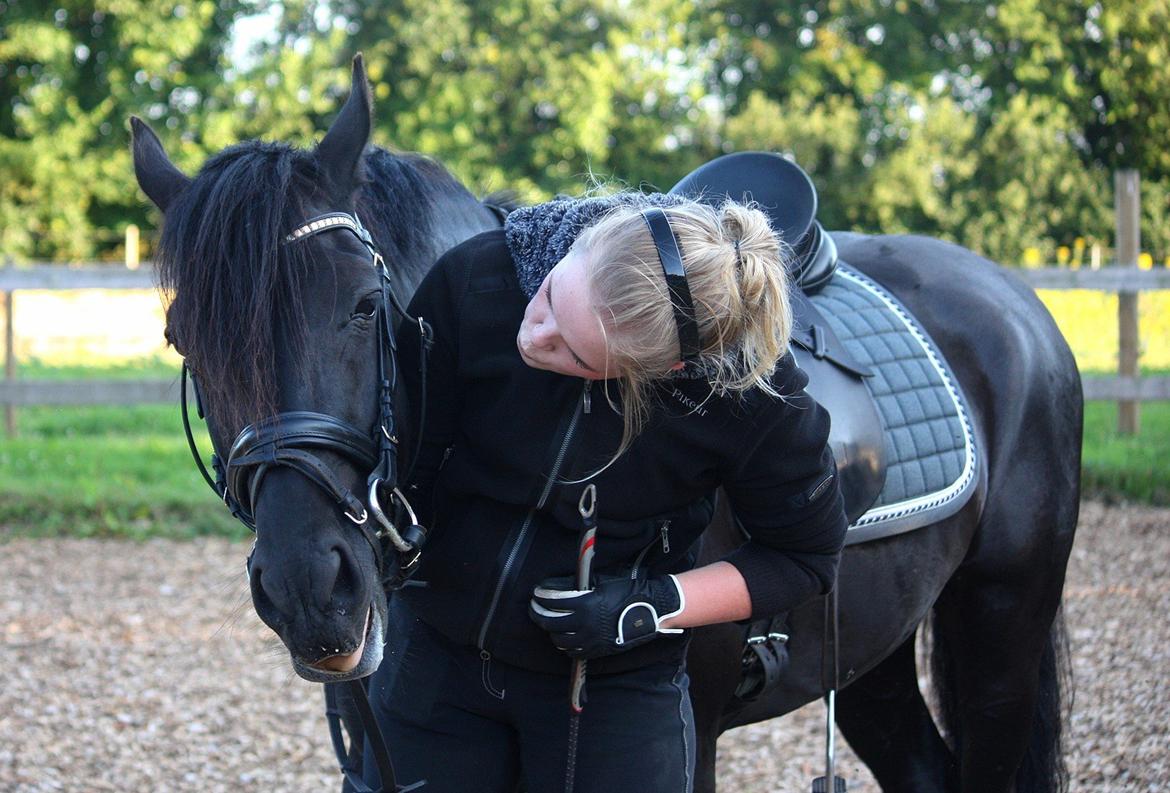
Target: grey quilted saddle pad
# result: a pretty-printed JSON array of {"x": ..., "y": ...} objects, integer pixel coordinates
[{"x": 930, "y": 449}]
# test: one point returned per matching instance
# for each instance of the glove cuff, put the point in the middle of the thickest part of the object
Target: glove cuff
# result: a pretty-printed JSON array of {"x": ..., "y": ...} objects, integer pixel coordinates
[
  {"x": 643, "y": 618},
  {"x": 682, "y": 605}
]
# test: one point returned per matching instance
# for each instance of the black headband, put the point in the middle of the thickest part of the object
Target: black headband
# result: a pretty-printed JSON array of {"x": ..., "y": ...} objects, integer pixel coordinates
[{"x": 676, "y": 282}]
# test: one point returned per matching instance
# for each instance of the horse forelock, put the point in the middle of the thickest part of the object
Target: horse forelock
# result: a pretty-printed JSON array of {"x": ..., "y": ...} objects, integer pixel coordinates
[{"x": 236, "y": 290}]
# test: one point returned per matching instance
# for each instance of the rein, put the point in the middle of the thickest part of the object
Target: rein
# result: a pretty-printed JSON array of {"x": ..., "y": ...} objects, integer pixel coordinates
[{"x": 290, "y": 439}]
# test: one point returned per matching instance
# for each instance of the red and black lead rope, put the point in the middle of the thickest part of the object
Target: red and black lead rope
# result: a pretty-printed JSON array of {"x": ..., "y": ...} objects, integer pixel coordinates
[{"x": 587, "y": 507}]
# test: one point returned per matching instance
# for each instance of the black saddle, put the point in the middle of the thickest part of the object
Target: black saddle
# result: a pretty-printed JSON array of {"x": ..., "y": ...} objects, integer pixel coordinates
[{"x": 787, "y": 195}]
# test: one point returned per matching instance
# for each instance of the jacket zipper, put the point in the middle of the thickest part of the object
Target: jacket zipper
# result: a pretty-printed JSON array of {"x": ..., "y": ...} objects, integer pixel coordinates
[
  {"x": 638, "y": 561},
  {"x": 582, "y": 406},
  {"x": 664, "y": 535}
]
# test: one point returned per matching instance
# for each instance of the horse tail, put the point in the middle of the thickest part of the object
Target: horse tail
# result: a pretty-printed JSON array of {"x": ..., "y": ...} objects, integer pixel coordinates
[
  {"x": 1043, "y": 768},
  {"x": 944, "y": 687}
]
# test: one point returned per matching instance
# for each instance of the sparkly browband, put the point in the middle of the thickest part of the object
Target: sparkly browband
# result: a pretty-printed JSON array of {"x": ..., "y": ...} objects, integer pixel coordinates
[
  {"x": 676, "y": 282},
  {"x": 331, "y": 221}
]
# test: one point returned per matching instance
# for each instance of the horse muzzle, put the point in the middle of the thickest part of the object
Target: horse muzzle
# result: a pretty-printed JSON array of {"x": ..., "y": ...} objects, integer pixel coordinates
[{"x": 338, "y": 666}]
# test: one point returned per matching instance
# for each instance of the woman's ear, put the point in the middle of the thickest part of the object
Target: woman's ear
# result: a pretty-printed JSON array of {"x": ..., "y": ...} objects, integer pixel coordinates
[{"x": 677, "y": 366}]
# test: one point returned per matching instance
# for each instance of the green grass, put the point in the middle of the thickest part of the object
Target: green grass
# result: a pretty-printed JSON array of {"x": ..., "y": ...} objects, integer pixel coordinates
[
  {"x": 130, "y": 369},
  {"x": 126, "y": 471},
  {"x": 1127, "y": 468},
  {"x": 105, "y": 471}
]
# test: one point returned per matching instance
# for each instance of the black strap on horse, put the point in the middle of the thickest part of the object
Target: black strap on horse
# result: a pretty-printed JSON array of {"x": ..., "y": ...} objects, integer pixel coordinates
[
  {"x": 351, "y": 758},
  {"x": 290, "y": 439},
  {"x": 764, "y": 659}
]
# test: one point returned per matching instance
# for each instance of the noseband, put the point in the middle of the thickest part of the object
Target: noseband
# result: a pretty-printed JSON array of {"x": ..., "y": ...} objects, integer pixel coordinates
[{"x": 292, "y": 439}]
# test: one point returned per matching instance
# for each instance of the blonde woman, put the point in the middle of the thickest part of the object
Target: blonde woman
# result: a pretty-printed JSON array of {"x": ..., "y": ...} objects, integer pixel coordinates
[{"x": 637, "y": 344}]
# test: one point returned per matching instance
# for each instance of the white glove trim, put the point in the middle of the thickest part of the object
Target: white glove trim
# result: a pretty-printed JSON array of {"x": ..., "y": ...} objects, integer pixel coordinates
[
  {"x": 682, "y": 604},
  {"x": 542, "y": 611},
  {"x": 559, "y": 594}
]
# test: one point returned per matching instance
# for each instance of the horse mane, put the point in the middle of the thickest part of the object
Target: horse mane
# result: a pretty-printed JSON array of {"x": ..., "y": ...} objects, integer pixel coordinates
[
  {"x": 397, "y": 198},
  {"x": 234, "y": 286}
]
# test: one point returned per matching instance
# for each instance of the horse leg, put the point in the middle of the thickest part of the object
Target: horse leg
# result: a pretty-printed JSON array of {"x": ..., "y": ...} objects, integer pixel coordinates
[
  {"x": 1002, "y": 647},
  {"x": 713, "y": 662},
  {"x": 705, "y": 762},
  {"x": 998, "y": 645},
  {"x": 885, "y": 719}
]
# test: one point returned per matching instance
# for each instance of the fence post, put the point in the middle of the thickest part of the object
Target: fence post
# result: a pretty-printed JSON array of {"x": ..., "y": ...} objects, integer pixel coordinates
[
  {"x": 1127, "y": 219},
  {"x": 9, "y": 355},
  {"x": 132, "y": 247}
]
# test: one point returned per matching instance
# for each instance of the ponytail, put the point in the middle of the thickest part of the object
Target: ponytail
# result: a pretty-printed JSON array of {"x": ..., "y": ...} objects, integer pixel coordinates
[{"x": 735, "y": 268}]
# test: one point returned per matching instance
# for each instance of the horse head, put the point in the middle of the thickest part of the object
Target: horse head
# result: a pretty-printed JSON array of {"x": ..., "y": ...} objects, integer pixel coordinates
[{"x": 281, "y": 305}]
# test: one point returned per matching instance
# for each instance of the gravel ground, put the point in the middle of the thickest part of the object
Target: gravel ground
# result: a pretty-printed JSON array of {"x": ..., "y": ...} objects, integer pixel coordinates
[{"x": 128, "y": 667}]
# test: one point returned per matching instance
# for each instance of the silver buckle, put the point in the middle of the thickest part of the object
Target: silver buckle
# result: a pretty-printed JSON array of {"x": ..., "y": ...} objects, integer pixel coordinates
[{"x": 388, "y": 528}]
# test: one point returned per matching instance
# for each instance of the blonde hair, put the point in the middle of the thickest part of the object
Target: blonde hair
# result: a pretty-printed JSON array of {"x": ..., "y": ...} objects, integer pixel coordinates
[{"x": 735, "y": 267}]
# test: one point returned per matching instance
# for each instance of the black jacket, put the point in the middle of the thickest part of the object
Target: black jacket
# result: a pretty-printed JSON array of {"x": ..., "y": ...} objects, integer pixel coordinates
[{"x": 501, "y": 439}]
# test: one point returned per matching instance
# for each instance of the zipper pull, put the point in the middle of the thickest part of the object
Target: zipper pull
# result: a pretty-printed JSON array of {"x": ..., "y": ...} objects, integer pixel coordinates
[
  {"x": 585, "y": 399},
  {"x": 665, "y": 532}
]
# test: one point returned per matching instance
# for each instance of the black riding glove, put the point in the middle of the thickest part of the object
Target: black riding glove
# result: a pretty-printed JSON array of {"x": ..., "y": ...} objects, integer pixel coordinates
[{"x": 619, "y": 613}]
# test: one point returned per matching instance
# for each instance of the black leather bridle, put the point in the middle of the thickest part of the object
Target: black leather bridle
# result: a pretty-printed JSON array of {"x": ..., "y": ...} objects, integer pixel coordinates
[{"x": 292, "y": 439}]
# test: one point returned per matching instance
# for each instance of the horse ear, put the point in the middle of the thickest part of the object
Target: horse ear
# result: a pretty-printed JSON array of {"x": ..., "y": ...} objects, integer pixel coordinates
[
  {"x": 340, "y": 151},
  {"x": 157, "y": 175}
]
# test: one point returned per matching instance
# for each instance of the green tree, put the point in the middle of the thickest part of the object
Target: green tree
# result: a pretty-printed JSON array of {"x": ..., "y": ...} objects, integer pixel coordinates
[
  {"x": 70, "y": 74},
  {"x": 1032, "y": 187},
  {"x": 993, "y": 124},
  {"x": 1108, "y": 64},
  {"x": 524, "y": 94}
]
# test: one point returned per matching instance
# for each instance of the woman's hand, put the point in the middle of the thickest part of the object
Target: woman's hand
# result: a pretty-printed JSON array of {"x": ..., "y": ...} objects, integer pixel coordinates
[{"x": 617, "y": 614}]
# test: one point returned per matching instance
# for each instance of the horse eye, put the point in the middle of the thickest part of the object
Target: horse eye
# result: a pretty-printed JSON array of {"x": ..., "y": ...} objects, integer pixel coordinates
[{"x": 366, "y": 308}]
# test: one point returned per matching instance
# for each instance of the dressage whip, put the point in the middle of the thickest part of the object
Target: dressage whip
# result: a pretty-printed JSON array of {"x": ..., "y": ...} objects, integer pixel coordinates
[{"x": 587, "y": 507}]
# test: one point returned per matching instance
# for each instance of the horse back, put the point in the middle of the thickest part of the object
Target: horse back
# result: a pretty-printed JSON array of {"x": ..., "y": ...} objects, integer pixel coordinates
[{"x": 1014, "y": 367}]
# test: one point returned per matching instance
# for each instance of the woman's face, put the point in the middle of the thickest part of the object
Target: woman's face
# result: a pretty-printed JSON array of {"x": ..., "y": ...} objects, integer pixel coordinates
[{"x": 561, "y": 332}]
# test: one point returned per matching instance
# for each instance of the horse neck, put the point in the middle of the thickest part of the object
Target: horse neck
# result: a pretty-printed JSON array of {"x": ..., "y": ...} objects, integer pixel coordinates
[{"x": 453, "y": 214}]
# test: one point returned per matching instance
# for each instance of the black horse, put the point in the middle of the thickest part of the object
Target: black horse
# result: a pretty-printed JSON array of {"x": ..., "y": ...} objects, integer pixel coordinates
[{"x": 269, "y": 327}]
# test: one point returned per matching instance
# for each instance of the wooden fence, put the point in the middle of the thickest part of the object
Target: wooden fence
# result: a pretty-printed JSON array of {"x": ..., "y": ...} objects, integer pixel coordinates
[{"x": 1127, "y": 388}]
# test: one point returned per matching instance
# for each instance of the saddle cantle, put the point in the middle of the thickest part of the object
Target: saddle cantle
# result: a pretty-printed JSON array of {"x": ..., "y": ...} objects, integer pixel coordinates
[
  {"x": 785, "y": 193},
  {"x": 901, "y": 432}
]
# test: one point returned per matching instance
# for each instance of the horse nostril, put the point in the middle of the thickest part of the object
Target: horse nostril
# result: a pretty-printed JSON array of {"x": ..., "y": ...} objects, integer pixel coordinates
[
  {"x": 347, "y": 583},
  {"x": 265, "y": 606}
]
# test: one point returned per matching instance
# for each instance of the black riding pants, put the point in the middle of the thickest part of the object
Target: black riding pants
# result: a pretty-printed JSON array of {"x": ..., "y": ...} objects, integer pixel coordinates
[{"x": 465, "y": 722}]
